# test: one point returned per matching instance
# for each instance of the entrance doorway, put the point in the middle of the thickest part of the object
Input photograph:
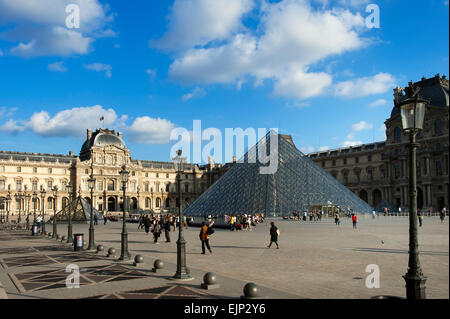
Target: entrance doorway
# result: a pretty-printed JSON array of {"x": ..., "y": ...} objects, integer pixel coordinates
[{"x": 111, "y": 204}]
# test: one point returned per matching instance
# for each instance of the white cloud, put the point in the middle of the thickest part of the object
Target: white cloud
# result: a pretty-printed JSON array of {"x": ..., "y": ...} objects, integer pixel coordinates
[
  {"x": 57, "y": 67},
  {"x": 307, "y": 149},
  {"x": 12, "y": 127},
  {"x": 351, "y": 143},
  {"x": 74, "y": 121},
  {"x": 7, "y": 111},
  {"x": 323, "y": 148},
  {"x": 151, "y": 73},
  {"x": 39, "y": 27},
  {"x": 380, "y": 102},
  {"x": 291, "y": 36},
  {"x": 196, "y": 93},
  {"x": 361, "y": 126},
  {"x": 99, "y": 67},
  {"x": 147, "y": 130},
  {"x": 197, "y": 22},
  {"x": 379, "y": 83}
]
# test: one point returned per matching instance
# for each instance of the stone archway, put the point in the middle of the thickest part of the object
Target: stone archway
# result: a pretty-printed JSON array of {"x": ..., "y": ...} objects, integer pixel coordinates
[
  {"x": 419, "y": 198},
  {"x": 111, "y": 204},
  {"x": 363, "y": 195},
  {"x": 376, "y": 197}
]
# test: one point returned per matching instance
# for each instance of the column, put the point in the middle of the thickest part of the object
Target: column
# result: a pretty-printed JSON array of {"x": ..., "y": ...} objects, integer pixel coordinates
[
  {"x": 429, "y": 197},
  {"x": 446, "y": 195}
]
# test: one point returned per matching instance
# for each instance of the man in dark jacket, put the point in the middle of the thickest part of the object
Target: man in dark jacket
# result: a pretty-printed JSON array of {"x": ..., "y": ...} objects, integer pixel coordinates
[
  {"x": 167, "y": 228},
  {"x": 204, "y": 237},
  {"x": 273, "y": 235}
]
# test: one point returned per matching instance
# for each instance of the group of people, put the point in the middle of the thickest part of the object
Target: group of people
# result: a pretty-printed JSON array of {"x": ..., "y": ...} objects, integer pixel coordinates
[
  {"x": 244, "y": 222},
  {"x": 161, "y": 223},
  {"x": 313, "y": 215}
]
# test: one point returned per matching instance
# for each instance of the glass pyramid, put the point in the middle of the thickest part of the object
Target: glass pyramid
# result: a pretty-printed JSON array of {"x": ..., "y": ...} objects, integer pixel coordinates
[
  {"x": 297, "y": 184},
  {"x": 80, "y": 211}
]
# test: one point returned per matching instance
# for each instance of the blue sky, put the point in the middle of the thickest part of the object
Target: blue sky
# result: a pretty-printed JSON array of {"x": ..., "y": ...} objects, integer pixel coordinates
[{"x": 312, "y": 69}]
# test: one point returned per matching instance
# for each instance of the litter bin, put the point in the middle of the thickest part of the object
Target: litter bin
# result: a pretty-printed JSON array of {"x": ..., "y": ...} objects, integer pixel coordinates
[
  {"x": 78, "y": 241},
  {"x": 34, "y": 230}
]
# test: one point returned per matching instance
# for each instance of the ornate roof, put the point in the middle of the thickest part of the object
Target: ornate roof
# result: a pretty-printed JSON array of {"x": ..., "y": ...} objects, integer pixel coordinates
[
  {"x": 434, "y": 89},
  {"x": 102, "y": 137}
]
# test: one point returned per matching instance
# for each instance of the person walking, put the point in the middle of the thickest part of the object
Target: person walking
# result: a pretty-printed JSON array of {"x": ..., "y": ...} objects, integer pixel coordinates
[
  {"x": 374, "y": 214},
  {"x": 95, "y": 219},
  {"x": 167, "y": 229},
  {"x": 442, "y": 215},
  {"x": 336, "y": 219},
  {"x": 204, "y": 237},
  {"x": 156, "y": 232},
  {"x": 274, "y": 232},
  {"x": 147, "y": 223},
  {"x": 354, "y": 220},
  {"x": 233, "y": 222},
  {"x": 420, "y": 216},
  {"x": 105, "y": 219}
]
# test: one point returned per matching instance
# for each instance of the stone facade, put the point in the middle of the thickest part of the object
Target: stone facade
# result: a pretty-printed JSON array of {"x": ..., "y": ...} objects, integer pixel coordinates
[
  {"x": 151, "y": 188},
  {"x": 379, "y": 171}
]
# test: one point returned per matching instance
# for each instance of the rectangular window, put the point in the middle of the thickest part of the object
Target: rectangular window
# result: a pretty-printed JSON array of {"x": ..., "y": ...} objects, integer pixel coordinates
[
  {"x": 356, "y": 160},
  {"x": 438, "y": 168},
  {"x": 323, "y": 165},
  {"x": 110, "y": 185},
  {"x": 146, "y": 174},
  {"x": 369, "y": 158},
  {"x": 34, "y": 169},
  {"x": 18, "y": 185},
  {"x": 19, "y": 169},
  {"x": 345, "y": 161},
  {"x": 334, "y": 162},
  {"x": 34, "y": 186},
  {"x": 2, "y": 169},
  {"x": 50, "y": 170},
  {"x": 100, "y": 185},
  {"x": 146, "y": 187},
  {"x": 49, "y": 184}
]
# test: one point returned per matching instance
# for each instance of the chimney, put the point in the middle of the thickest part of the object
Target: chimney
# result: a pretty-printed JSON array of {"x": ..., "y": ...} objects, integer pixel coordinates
[
  {"x": 70, "y": 153},
  {"x": 211, "y": 160},
  {"x": 119, "y": 134},
  {"x": 88, "y": 134},
  {"x": 234, "y": 159}
]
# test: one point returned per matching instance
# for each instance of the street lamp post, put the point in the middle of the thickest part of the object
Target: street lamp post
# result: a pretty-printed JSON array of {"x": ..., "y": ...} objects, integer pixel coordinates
[
  {"x": 8, "y": 201},
  {"x": 91, "y": 185},
  {"x": 34, "y": 213},
  {"x": 412, "y": 111},
  {"x": 137, "y": 206},
  {"x": 182, "y": 269},
  {"x": 28, "y": 197},
  {"x": 55, "y": 194},
  {"x": 69, "y": 225},
  {"x": 43, "y": 192},
  {"x": 19, "y": 199},
  {"x": 124, "y": 254}
]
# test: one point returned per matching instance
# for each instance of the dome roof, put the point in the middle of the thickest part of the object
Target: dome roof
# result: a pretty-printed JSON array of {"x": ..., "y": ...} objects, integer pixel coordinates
[
  {"x": 434, "y": 89},
  {"x": 102, "y": 137}
]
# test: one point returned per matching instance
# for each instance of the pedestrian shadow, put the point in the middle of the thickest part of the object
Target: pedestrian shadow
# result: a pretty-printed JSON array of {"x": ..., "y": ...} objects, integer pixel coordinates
[
  {"x": 243, "y": 247},
  {"x": 401, "y": 251}
]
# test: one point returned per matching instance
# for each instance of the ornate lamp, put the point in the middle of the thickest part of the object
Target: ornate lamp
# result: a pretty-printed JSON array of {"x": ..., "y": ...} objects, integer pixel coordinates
[
  {"x": 55, "y": 194},
  {"x": 412, "y": 110},
  {"x": 124, "y": 255},
  {"x": 91, "y": 185},
  {"x": 69, "y": 188}
]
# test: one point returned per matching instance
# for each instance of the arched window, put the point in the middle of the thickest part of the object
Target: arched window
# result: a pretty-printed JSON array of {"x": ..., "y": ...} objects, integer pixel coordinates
[
  {"x": 168, "y": 187},
  {"x": 186, "y": 188},
  {"x": 167, "y": 202},
  {"x": 110, "y": 184},
  {"x": 50, "y": 203},
  {"x": 397, "y": 134},
  {"x": 158, "y": 202},
  {"x": 147, "y": 202}
]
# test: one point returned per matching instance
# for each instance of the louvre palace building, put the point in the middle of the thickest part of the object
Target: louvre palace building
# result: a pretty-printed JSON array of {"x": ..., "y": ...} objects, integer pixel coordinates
[
  {"x": 378, "y": 172},
  {"x": 152, "y": 185}
]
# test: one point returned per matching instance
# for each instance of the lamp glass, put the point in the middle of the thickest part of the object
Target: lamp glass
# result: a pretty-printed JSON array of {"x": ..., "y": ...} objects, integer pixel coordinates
[
  {"x": 124, "y": 174},
  {"x": 91, "y": 182}
]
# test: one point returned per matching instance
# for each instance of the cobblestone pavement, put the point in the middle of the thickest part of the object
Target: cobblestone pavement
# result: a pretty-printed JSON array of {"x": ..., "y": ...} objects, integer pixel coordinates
[{"x": 315, "y": 260}]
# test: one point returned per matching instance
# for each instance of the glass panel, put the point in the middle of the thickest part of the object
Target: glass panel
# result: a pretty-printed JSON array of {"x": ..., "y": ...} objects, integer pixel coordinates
[
  {"x": 420, "y": 114},
  {"x": 407, "y": 114}
]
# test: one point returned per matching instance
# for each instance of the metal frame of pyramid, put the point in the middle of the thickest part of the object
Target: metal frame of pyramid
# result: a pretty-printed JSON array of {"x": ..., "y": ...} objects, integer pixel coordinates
[
  {"x": 297, "y": 184},
  {"x": 80, "y": 211}
]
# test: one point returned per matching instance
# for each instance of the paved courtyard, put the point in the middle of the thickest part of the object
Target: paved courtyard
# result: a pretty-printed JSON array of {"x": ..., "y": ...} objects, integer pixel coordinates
[{"x": 316, "y": 260}]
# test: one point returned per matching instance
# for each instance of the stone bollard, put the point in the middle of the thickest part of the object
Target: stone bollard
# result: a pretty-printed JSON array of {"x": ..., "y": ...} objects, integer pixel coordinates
[
  {"x": 58, "y": 237},
  {"x": 158, "y": 264},
  {"x": 250, "y": 291},
  {"x": 100, "y": 249},
  {"x": 111, "y": 253},
  {"x": 64, "y": 239},
  {"x": 210, "y": 281},
  {"x": 139, "y": 261},
  {"x": 49, "y": 234}
]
